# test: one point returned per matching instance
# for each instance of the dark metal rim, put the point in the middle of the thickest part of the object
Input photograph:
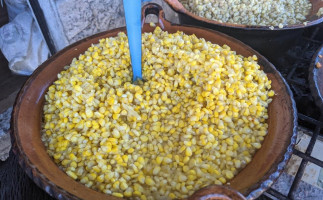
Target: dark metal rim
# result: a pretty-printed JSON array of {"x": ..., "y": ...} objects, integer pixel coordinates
[
  {"x": 314, "y": 80},
  {"x": 59, "y": 193}
]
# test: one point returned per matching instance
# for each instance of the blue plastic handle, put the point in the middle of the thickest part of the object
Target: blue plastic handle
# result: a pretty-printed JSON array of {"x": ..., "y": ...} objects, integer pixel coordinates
[{"x": 132, "y": 10}]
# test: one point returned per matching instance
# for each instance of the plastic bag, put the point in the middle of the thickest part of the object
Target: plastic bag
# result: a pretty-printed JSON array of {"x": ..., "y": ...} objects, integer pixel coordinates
[
  {"x": 15, "y": 7},
  {"x": 22, "y": 44}
]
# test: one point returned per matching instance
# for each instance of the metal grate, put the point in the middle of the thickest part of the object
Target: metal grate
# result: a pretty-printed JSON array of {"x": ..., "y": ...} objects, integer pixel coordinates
[{"x": 294, "y": 66}]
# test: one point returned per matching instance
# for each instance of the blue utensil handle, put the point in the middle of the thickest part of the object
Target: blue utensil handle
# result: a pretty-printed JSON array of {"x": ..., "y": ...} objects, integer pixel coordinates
[{"x": 133, "y": 21}]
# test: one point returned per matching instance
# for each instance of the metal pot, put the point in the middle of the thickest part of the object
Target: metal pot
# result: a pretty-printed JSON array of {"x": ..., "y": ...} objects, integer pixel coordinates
[
  {"x": 265, "y": 167},
  {"x": 270, "y": 43}
]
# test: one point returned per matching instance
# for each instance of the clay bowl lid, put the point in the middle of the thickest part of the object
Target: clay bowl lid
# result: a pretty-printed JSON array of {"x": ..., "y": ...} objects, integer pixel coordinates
[{"x": 255, "y": 178}]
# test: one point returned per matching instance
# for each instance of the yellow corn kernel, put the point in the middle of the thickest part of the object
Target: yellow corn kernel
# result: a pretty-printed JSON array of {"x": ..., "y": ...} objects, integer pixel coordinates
[
  {"x": 229, "y": 174},
  {"x": 131, "y": 150},
  {"x": 156, "y": 170},
  {"x": 116, "y": 185},
  {"x": 72, "y": 174},
  {"x": 65, "y": 162},
  {"x": 198, "y": 117},
  {"x": 149, "y": 181},
  {"x": 144, "y": 138},
  {"x": 117, "y": 194},
  {"x": 172, "y": 195},
  {"x": 123, "y": 186},
  {"x": 141, "y": 179},
  {"x": 271, "y": 93},
  {"x": 89, "y": 113},
  {"x": 256, "y": 145},
  {"x": 159, "y": 160},
  {"x": 100, "y": 179},
  {"x": 188, "y": 151},
  {"x": 92, "y": 176},
  {"x": 223, "y": 181},
  {"x": 128, "y": 192}
]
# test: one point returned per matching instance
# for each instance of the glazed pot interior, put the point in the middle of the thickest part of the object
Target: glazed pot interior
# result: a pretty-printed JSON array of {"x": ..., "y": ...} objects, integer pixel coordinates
[{"x": 27, "y": 117}]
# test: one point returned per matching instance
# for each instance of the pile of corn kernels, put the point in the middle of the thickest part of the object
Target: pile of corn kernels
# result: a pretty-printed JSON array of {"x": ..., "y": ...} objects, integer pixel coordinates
[
  {"x": 196, "y": 119},
  {"x": 251, "y": 12}
]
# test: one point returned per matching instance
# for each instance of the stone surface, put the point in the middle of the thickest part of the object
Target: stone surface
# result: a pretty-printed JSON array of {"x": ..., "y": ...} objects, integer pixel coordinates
[
  {"x": 304, "y": 191},
  {"x": 310, "y": 186},
  {"x": 81, "y": 19},
  {"x": 313, "y": 173},
  {"x": 78, "y": 15}
]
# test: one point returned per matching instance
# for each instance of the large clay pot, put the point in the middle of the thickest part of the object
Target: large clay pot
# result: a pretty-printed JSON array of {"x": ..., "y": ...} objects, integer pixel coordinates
[{"x": 265, "y": 167}]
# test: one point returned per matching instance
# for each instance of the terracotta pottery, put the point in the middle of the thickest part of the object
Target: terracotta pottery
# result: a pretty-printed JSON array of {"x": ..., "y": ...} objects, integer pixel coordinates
[
  {"x": 316, "y": 77},
  {"x": 312, "y": 18},
  {"x": 255, "y": 178}
]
